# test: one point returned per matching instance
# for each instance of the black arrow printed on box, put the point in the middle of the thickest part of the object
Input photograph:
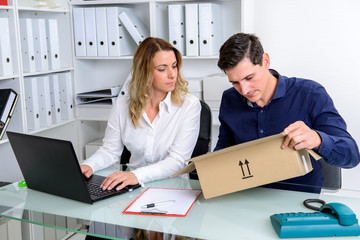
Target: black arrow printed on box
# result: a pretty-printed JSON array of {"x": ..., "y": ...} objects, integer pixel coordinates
[{"x": 241, "y": 164}]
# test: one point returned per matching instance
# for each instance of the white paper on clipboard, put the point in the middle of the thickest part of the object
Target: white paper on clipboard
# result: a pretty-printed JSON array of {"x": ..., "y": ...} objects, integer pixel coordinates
[{"x": 183, "y": 201}]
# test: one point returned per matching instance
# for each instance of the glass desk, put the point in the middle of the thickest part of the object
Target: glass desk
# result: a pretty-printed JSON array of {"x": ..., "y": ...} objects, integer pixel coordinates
[{"x": 241, "y": 215}]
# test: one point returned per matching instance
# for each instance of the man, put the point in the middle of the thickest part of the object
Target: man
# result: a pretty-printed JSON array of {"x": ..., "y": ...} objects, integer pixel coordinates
[{"x": 262, "y": 103}]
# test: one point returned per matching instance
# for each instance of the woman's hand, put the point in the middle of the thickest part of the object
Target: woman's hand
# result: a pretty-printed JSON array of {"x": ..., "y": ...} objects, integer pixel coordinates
[
  {"x": 86, "y": 170},
  {"x": 116, "y": 178}
]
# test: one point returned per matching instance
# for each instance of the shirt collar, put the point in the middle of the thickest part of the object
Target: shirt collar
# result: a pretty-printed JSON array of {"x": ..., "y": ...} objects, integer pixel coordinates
[
  {"x": 281, "y": 85},
  {"x": 279, "y": 91},
  {"x": 165, "y": 104}
]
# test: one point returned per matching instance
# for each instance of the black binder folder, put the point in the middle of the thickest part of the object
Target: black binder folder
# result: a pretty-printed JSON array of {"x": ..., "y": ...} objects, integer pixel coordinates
[{"x": 8, "y": 100}]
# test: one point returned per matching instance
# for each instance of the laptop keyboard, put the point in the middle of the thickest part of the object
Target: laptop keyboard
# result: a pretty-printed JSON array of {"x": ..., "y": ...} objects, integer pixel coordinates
[{"x": 95, "y": 190}]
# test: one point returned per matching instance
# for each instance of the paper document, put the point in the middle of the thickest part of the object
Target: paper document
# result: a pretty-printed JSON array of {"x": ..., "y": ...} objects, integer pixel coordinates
[
  {"x": 106, "y": 92},
  {"x": 164, "y": 202},
  {"x": 100, "y": 96},
  {"x": 96, "y": 101}
]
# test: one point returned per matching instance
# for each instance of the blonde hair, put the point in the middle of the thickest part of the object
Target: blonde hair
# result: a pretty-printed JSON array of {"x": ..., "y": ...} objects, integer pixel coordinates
[{"x": 142, "y": 76}]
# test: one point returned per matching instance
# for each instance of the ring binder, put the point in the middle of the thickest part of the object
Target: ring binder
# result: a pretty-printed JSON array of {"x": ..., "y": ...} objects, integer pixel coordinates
[
  {"x": 192, "y": 30},
  {"x": 8, "y": 100},
  {"x": 132, "y": 24},
  {"x": 6, "y": 61}
]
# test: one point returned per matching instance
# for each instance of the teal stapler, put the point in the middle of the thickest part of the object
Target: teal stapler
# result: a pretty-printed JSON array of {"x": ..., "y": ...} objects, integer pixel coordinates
[{"x": 332, "y": 219}]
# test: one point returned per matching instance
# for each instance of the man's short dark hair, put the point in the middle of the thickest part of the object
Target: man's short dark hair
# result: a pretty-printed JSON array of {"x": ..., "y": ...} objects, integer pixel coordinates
[{"x": 238, "y": 47}]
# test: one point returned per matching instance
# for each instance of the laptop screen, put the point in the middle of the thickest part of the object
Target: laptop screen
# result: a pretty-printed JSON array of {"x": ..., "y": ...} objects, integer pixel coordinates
[{"x": 49, "y": 165}]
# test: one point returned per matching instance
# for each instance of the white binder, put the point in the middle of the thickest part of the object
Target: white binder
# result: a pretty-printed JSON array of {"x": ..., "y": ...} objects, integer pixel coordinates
[
  {"x": 44, "y": 101},
  {"x": 55, "y": 98},
  {"x": 6, "y": 60},
  {"x": 27, "y": 45},
  {"x": 53, "y": 43},
  {"x": 134, "y": 26},
  {"x": 176, "y": 16},
  {"x": 191, "y": 30},
  {"x": 32, "y": 103},
  {"x": 125, "y": 88},
  {"x": 210, "y": 29},
  {"x": 101, "y": 31},
  {"x": 79, "y": 32},
  {"x": 66, "y": 96},
  {"x": 90, "y": 32},
  {"x": 40, "y": 45},
  {"x": 119, "y": 40}
]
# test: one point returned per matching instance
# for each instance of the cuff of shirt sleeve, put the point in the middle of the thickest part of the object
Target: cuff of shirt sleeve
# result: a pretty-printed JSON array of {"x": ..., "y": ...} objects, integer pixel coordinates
[
  {"x": 326, "y": 144},
  {"x": 141, "y": 181},
  {"x": 90, "y": 164}
]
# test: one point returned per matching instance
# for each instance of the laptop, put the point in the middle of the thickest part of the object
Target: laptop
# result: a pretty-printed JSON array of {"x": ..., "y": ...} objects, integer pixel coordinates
[{"x": 51, "y": 166}]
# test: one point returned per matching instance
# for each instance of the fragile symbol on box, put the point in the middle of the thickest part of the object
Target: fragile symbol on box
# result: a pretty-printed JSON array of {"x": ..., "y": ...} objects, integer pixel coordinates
[{"x": 246, "y": 174}]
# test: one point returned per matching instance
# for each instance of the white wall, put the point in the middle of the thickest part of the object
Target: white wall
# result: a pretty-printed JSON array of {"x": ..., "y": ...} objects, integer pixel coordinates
[{"x": 319, "y": 40}]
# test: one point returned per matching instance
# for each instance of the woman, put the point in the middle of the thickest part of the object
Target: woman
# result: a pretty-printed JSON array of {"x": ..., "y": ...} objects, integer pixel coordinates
[{"x": 158, "y": 121}]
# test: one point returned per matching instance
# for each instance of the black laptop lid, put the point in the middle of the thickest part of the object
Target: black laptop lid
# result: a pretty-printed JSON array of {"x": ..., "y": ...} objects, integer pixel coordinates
[{"x": 49, "y": 165}]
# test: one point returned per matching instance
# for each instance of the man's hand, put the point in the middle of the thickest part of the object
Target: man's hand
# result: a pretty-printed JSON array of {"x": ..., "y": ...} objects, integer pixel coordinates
[
  {"x": 125, "y": 178},
  {"x": 86, "y": 170},
  {"x": 300, "y": 136}
]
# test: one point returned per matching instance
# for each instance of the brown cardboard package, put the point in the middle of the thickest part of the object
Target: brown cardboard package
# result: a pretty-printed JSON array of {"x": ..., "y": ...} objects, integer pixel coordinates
[{"x": 248, "y": 165}]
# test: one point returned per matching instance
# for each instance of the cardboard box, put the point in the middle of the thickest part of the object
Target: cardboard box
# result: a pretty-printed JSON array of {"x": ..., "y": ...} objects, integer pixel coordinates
[{"x": 248, "y": 165}]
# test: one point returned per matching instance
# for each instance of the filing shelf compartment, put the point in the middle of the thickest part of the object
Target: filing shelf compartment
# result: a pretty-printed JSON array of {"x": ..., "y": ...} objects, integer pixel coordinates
[{"x": 64, "y": 34}]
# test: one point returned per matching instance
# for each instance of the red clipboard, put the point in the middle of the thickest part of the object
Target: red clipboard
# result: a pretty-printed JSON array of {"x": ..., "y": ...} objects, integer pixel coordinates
[{"x": 168, "y": 202}]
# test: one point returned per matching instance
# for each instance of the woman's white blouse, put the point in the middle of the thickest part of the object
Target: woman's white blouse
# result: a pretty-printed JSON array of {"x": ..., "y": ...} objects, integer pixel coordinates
[{"x": 158, "y": 149}]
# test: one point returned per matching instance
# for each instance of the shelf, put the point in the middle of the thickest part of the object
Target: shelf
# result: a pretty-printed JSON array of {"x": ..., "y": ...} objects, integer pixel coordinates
[
  {"x": 93, "y": 112},
  {"x": 200, "y": 58},
  {"x": 5, "y": 140},
  {"x": 43, "y": 6},
  {"x": 53, "y": 10},
  {"x": 106, "y": 2},
  {"x": 105, "y": 58},
  {"x": 131, "y": 57},
  {"x": 65, "y": 122},
  {"x": 48, "y": 72},
  {"x": 8, "y": 77},
  {"x": 6, "y": 7}
]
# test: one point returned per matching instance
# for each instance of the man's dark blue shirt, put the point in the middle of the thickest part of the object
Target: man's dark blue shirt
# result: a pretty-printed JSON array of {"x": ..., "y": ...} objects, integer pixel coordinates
[{"x": 295, "y": 99}]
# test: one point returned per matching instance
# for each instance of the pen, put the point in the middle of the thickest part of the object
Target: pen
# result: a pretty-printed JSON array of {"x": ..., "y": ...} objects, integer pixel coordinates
[
  {"x": 151, "y": 205},
  {"x": 151, "y": 212}
]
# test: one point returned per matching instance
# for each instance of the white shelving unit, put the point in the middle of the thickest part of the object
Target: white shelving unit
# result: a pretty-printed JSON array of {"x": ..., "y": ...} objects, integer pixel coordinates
[
  {"x": 98, "y": 72},
  {"x": 66, "y": 128}
]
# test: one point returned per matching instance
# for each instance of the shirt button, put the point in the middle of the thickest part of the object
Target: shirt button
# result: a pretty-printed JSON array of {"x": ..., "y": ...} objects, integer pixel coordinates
[
  {"x": 261, "y": 111},
  {"x": 261, "y": 131}
]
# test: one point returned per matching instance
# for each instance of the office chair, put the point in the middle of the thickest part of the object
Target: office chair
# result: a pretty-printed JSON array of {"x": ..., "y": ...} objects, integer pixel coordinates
[
  {"x": 203, "y": 143},
  {"x": 332, "y": 176}
]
